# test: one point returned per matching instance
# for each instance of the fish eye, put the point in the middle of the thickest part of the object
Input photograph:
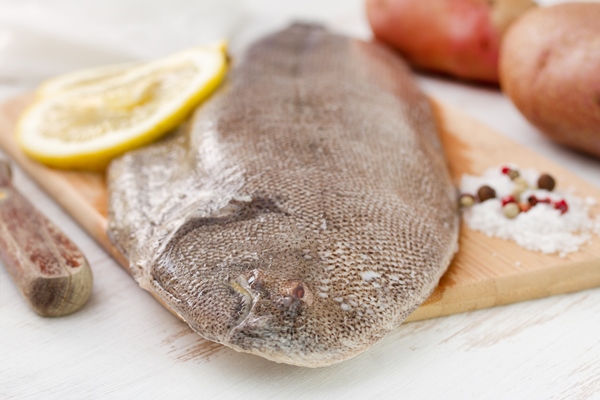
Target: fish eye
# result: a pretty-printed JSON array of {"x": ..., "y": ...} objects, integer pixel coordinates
[{"x": 298, "y": 292}]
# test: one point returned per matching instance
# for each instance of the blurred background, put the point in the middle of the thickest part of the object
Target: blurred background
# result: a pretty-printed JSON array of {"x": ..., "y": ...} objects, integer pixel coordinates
[{"x": 41, "y": 38}]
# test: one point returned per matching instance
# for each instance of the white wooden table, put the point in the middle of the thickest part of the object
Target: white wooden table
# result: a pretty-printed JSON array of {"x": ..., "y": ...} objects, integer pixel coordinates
[{"x": 124, "y": 345}]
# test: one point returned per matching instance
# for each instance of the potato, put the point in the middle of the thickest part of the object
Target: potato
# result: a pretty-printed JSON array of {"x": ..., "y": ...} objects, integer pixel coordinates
[
  {"x": 550, "y": 68},
  {"x": 456, "y": 37}
]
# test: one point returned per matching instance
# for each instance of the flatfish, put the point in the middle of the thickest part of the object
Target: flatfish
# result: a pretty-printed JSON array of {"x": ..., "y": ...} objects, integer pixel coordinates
[{"x": 303, "y": 212}]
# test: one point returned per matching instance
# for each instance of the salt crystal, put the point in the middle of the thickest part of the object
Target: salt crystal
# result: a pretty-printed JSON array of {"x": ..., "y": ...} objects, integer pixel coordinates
[
  {"x": 590, "y": 201},
  {"x": 543, "y": 228}
]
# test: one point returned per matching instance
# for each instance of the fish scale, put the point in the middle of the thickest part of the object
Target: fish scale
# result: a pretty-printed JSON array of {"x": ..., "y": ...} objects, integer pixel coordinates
[{"x": 303, "y": 212}]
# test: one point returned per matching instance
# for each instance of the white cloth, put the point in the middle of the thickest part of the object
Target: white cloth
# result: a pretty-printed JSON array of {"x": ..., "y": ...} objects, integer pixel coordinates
[{"x": 41, "y": 38}]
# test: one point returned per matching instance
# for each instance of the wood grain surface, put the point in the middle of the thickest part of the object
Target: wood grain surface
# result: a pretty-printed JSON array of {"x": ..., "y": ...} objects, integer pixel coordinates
[
  {"x": 50, "y": 271},
  {"x": 486, "y": 271}
]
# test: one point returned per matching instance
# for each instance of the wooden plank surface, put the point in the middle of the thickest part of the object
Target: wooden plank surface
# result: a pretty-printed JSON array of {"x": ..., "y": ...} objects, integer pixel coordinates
[{"x": 486, "y": 271}]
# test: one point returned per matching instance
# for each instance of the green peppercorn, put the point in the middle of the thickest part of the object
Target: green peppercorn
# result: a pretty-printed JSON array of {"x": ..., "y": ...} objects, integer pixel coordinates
[{"x": 485, "y": 193}]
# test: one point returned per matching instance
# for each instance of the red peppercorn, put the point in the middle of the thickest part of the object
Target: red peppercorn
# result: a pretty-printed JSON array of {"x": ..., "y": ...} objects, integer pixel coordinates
[
  {"x": 532, "y": 200},
  {"x": 562, "y": 206},
  {"x": 505, "y": 170},
  {"x": 508, "y": 199}
]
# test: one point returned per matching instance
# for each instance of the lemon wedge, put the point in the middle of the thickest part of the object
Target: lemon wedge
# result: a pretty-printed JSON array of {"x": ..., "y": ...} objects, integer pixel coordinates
[{"x": 83, "y": 120}]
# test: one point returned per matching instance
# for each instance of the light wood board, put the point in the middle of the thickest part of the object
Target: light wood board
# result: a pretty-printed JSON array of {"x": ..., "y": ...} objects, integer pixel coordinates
[{"x": 486, "y": 272}]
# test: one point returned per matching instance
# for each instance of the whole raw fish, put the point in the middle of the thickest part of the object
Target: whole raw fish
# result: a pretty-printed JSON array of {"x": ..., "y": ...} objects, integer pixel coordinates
[{"x": 306, "y": 209}]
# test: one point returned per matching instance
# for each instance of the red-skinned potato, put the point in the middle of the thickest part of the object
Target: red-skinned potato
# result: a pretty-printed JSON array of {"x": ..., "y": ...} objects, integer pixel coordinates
[
  {"x": 457, "y": 37},
  {"x": 550, "y": 68}
]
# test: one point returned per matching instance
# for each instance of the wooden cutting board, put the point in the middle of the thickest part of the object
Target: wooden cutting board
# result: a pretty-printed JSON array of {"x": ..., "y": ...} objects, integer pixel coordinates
[{"x": 486, "y": 272}]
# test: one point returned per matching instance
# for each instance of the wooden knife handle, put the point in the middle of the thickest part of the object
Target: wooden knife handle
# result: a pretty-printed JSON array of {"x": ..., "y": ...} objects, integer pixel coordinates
[{"x": 50, "y": 271}]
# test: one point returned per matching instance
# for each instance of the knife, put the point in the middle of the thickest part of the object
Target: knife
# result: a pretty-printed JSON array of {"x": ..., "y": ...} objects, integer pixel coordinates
[{"x": 50, "y": 271}]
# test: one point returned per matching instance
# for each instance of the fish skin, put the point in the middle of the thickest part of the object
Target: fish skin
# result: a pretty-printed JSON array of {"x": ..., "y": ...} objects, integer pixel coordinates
[{"x": 305, "y": 210}]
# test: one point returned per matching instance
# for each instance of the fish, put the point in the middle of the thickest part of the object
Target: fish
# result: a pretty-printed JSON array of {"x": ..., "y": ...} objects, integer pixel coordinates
[{"x": 303, "y": 212}]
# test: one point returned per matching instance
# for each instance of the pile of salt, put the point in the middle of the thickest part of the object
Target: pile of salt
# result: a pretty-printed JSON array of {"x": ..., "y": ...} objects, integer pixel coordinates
[{"x": 543, "y": 228}]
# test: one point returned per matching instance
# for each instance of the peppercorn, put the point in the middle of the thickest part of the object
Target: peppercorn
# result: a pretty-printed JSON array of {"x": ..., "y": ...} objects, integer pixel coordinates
[
  {"x": 485, "y": 193},
  {"x": 562, "y": 206},
  {"x": 513, "y": 174},
  {"x": 532, "y": 200},
  {"x": 546, "y": 182},
  {"x": 466, "y": 200},
  {"x": 508, "y": 199},
  {"x": 511, "y": 210}
]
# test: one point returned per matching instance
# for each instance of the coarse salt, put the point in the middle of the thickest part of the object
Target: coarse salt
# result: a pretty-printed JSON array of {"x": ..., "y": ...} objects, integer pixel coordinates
[{"x": 543, "y": 228}]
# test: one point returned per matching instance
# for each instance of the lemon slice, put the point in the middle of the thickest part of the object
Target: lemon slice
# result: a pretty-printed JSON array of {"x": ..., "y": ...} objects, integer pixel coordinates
[
  {"x": 84, "y": 77},
  {"x": 85, "y": 120}
]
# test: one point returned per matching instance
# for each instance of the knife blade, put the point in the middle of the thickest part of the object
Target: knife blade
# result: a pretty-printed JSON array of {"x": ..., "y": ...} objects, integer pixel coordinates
[{"x": 50, "y": 271}]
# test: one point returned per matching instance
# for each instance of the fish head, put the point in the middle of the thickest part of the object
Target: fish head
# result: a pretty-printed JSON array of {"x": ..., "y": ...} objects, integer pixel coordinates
[{"x": 249, "y": 281}]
